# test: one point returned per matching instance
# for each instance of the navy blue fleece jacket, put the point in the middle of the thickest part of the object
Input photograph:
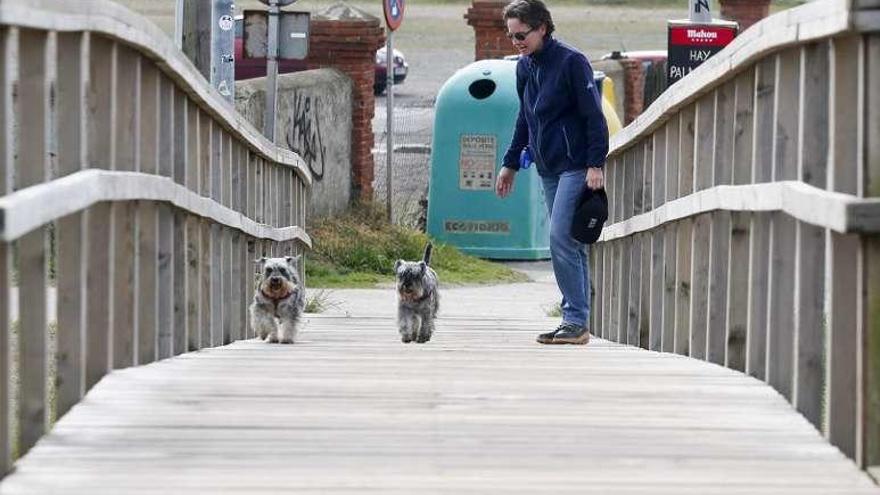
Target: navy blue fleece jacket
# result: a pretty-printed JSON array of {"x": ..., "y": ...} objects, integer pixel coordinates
[{"x": 560, "y": 114}]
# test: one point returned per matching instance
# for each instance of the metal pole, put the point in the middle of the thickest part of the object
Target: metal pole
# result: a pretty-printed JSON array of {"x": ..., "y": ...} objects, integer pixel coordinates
[
  {"x": 178, "y": 25},
  {"x": 389, "y": 117},
  {"x": 271, "y": 71},
  {"x": 222, "y": 48}
]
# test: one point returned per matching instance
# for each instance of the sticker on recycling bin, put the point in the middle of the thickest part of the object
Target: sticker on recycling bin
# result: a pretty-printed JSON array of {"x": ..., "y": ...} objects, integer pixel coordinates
[{"x": 476, "y": 162}]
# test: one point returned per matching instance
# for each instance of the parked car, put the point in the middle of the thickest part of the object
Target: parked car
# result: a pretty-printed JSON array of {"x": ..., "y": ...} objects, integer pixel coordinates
[
  {"x": 401, "y": 68},
  {"x": 248, "y": 68}
]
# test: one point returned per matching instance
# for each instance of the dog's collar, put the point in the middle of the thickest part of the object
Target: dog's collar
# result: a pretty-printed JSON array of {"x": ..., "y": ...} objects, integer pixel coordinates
[
  {"x": 412, "y": 300},
  {"x": 276, "y": 299}
]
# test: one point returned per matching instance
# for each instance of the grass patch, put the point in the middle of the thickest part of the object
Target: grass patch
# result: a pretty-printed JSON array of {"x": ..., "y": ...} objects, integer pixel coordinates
[
  {"x": 552, "y": 310},
  {"x": 359, "y": 249},
  {"x": 319, "y": 301}
]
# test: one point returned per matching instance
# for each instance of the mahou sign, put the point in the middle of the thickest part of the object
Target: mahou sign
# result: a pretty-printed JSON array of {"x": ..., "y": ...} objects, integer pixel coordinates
[{"x": 691, "y": 44}]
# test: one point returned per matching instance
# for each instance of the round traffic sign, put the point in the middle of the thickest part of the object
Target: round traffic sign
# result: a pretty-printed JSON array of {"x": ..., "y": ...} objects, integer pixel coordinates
[{"x": 393, "y": 13}]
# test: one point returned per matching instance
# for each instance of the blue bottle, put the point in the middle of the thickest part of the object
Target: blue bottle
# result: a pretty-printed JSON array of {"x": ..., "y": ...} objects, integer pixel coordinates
[{"x": 525, "y": 158}]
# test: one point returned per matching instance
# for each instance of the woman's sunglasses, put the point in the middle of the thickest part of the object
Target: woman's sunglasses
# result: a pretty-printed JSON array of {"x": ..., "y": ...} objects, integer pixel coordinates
[{"x": 520, "y": 36}]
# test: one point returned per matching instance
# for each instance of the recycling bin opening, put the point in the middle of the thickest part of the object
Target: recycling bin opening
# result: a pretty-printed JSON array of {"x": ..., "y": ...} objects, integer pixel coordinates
[{"x": 482, "y": 88}]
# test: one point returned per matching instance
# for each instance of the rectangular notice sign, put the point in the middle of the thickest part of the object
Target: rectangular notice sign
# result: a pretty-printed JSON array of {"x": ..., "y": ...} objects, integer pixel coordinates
[{"x": 692, "y": 44}]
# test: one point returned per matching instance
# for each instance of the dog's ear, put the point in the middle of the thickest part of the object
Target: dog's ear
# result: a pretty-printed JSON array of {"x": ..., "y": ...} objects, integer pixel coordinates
[
  {"x": 397, "y": 265},
  {"x": 260, "y": 262},
  {"x": 292, "y": 260}
]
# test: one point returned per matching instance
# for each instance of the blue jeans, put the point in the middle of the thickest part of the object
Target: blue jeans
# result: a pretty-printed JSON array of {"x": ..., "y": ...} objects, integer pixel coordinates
[{"x": 570, "y": 257}]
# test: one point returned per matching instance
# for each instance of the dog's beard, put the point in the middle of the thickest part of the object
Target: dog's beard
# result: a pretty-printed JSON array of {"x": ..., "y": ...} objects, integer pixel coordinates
[{"x": 281, "y": 291}]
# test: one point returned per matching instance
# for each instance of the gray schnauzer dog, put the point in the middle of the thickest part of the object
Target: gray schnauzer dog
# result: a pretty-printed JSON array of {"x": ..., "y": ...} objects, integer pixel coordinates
[
  {"x": 279, "y": 300},
  {"x": 418, "y": 299}
]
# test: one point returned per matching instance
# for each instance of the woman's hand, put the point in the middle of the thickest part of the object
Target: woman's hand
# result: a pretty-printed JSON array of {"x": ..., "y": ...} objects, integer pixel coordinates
[
  {"x": 595, "y": 178},
  {"x": 504, "y": 182}
]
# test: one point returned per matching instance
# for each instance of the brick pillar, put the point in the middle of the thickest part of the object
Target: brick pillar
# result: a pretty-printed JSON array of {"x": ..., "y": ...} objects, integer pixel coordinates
[
  {"x": 745, "y": 12},
  {"x": 346, "y": 38},
  {"x": 489, "y": 29},
  {"x": 633, "y": 89}
]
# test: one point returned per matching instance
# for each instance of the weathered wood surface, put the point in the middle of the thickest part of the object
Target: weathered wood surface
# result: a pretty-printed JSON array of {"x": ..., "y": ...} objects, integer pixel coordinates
[{"x": 480, "y": 409}]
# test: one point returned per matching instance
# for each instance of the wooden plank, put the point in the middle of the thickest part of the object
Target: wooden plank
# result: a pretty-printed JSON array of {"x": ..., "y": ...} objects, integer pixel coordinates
[
  {"x": 248, "y": 269},
  {"x": 759, "y": 260},
  {"x": 614, "y": 306},
  {"x": 630, "y": 183},
  {"x": 871, "y": 315},
  {"x": 193, "y": 287},
  {"x": 32, "y": 167},
  {"x": 844, "y": 269},
  {"x": 237, "y": 295},
  {"x": 738, "y": 291},
  {"x": 229, "y": 307},
  {"x": 636, "y": 160},
  {"x": 684, "y": 234},
  {"x": 625, "y": 278},
  {"x": 72, "y": 62},
  {"x": 843, "y": 118},
  {"x": 743, "y": 127},
  {"x": 195, "y": 144},
  {"x": 810, "y": 323},
  {"x": 101, "y": 119},
  {"x": 8, "y": 112},
  {"x": 687, "y": 151},
  {"x": 635, "y": 291},
  {"x": 182, "y": 267},
  {"x": 7, "y": 440},
  {"x": 126, "y": 100},
  {"x": 673, "y": 148},
  {"x": 645, "y": 298},
  {"x": 813, "y": 139},
  {"x": 780, "y": 304},
  {"x": 787, "y": 103},
  {"x": 725, "y": 116},
  {"x": 765, "y": 118},
  {"x": 719, "y": 257},
  {"x": 657, "y": 275},
  {"x": 186, "y": 147},
  {"x": 648, "y": 175},
  {"x": 659, "y": 167},
  {"x": 33, "y": 410},
  {"x": 168, "y": 137},
  {"x": 166, "y": 284},
  {"x": 670, "y": 271},
  {"x": 98, "y": 220},
  {"x": 608, "y": 287},
  {"x": 699, "y": 281},
  {"x": 205, "y": 279},
  {"x": 704, "y": 158},
  {"x": 147, "y": 219}
]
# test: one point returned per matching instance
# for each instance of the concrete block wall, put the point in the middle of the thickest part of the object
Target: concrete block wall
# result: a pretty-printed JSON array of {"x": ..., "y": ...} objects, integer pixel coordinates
[{"x": 314, "y": 119}]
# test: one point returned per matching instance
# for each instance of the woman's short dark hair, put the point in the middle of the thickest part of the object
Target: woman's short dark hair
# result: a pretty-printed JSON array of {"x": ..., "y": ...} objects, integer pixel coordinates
[{"x": 531, "y": 12}]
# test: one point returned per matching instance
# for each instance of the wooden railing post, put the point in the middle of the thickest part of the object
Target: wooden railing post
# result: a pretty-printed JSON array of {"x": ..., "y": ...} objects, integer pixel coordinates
[
  {"x": 72, "y": 60},
  {"x": 32, "y": 167}
]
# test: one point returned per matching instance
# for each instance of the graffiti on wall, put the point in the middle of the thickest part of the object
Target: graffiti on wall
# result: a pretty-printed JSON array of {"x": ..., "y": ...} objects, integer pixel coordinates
[{"x": 304, "y": 134}]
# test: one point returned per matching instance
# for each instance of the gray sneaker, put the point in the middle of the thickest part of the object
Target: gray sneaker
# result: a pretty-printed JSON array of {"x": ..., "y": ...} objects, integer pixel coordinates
[
  {"x": 547, "y": 338},
  {"x": 571, "y": 334}
]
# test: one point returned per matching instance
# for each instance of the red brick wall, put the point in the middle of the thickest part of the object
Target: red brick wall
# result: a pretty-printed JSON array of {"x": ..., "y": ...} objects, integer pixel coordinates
[
  {"x": 633, "y": 89},
  {"x": 745, "y": 12},
  {"x": 489, "y": 29},
  {"x": 349, "y": 44}
]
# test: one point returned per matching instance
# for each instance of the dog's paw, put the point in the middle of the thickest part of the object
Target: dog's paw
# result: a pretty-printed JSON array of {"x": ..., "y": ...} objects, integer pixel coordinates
[
  {"x": 423, "y": 338},
  {"x": 406, "y": 339},
  {"x": 272, "y": 338},
  {"x": 285, "y": 340}
]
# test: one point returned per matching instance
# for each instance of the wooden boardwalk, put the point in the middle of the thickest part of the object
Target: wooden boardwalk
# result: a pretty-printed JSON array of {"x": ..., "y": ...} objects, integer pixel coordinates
[{"x": 480, "y": 409}]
